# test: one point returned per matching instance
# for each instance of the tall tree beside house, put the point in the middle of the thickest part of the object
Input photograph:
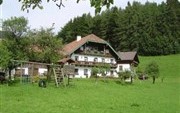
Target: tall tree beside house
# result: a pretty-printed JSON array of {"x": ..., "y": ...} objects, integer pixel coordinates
[
  {"x": 45, "y": 47},
  {"x": 5, "y": 56},
  {"x": 152, "y": 69},
  {"x": 12, "y": 39}
]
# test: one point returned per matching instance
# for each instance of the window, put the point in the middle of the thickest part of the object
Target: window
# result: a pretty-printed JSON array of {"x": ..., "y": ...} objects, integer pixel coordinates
[
  {"x": 112, "y": 60},
  {"x": 85, "y": 71},
  {"x": 107, "y": 51},
  {"x": 103, "y": 60},
  {"x": 76, "y": 72},
  {"x": 76, "y": 58},
  {"x": 81, "y": 48},
  {"x": 95, "y": 59},
  {"x": 120, "y": 68},
  {"x": 85, "y": 59}
]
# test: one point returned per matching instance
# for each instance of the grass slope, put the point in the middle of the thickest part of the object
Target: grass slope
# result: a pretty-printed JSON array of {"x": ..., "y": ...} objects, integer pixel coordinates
[
  {"x": 169, "y": 65},
  {"x": 85, "y": 96}
]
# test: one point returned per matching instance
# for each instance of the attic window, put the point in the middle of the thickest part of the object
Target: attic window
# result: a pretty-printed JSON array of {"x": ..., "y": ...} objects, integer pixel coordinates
[
  {"x": 81, "y": 48},
  {"x": 107, "y": 51}
]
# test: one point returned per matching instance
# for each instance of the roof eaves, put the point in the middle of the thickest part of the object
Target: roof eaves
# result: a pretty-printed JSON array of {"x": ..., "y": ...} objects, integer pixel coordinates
[
  {"x": 114, "y": 50},
  {"x": 75, "y": 48}
]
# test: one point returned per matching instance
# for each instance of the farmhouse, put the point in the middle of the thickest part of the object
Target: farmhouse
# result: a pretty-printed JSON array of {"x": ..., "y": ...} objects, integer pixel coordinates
[
  {"x": 86, "y": 53},
  {"x": 91, "y": 51}
]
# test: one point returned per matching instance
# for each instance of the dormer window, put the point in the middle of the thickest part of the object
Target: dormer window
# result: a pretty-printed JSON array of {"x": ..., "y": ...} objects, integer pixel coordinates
[
  {"x": 81, "y": 48},
  {"x": 107, "y": 51}
]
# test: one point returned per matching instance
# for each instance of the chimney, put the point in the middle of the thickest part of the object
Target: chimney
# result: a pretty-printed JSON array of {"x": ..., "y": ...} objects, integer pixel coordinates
[{"x": 78, "y": 38}]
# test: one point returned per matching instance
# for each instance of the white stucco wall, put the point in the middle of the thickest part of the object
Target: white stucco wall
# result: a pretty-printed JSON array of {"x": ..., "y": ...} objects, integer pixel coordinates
[
  {"x": 81, "y": 72},
  {"x": 91, "y": 58},
  {"x": 42, "y": 71},
  {"x": 114, "y": 74},
  {"x": 124, "y": 67}
]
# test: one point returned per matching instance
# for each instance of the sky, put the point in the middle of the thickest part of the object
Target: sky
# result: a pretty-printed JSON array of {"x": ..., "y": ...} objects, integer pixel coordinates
[{"x": 51, "y": 14}]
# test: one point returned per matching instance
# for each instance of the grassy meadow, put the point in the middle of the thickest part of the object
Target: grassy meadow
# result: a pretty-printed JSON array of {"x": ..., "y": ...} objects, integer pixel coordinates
[{"x": 87, "y": 96}]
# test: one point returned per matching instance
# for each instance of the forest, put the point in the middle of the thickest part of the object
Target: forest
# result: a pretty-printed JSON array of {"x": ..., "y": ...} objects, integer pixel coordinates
[{"x": 151, "y": 29}]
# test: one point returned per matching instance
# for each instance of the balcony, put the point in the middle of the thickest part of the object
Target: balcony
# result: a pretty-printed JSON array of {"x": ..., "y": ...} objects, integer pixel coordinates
[
  {"x": 94, "y": 52},
  {"x": 92, "y": 64}
]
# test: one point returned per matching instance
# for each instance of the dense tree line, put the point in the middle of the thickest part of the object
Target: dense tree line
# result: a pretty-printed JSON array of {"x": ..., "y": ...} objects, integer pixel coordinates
[{"x": 149, "y": 28}]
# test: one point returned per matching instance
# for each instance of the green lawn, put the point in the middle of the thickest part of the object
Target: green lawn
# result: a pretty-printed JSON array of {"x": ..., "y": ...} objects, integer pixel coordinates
[{"x": 85, "y": 96}]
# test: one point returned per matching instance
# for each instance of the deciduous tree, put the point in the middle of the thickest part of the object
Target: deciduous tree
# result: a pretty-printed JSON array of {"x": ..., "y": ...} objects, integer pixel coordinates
[
  {"x": 13, "y": 41},
  {"x": 16, "y": 25},
  {"x": 152, "y": 69},
  {"x": 45, "y": 47}
]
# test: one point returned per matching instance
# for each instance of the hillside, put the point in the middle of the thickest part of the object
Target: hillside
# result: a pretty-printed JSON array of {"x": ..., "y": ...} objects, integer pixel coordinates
[{"x": 169, "y": 65}]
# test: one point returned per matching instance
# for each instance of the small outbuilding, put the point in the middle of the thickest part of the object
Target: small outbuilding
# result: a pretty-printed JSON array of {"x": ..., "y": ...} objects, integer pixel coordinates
[{"x": 128, "y": 60}]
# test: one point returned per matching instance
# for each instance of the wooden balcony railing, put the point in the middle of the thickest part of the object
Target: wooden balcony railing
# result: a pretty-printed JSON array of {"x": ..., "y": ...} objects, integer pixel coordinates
[
  {"x": 91, "y": 64},
  {"x": 95, "y": 54}
]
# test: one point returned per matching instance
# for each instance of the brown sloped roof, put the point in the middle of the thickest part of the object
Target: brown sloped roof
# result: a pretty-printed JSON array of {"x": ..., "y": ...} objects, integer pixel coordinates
[
  {"x": 64, "y": 60},
  {"x": 71, "y": 47},
  {"x": 127, "y": 55}
]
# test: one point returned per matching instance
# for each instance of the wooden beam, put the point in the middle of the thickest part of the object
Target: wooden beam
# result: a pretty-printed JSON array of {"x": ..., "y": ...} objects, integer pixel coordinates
[
  {"x": 28, "y": 62},
  {"x": 32, "y": 72}
]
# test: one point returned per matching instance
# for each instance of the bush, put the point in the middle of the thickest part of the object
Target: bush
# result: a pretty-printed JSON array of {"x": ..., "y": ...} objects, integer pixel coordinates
[
  {"x": 94, "y": 72},
  {"x": 42, "y": 83},
  {"x": 125, "y": 75}
]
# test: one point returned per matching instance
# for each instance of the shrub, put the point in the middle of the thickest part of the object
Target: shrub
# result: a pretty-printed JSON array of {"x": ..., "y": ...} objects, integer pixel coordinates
[
  {"x": 94, "y": 72},
  {"x": 125, "y": 75}
]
